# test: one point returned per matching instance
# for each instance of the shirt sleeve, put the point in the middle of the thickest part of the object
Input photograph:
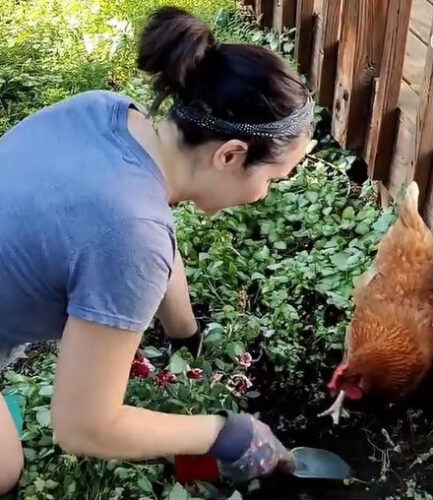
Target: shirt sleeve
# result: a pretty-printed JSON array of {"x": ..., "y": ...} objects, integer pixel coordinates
[{"x": 120, "y": 278}]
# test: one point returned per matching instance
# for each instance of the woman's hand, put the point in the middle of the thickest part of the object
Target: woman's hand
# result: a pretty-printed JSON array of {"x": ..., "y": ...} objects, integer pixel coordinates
[
  {"x": 88, "y": 414},
  {"x": 246, "y": 448},
  {"x": 193, "y": 343}
]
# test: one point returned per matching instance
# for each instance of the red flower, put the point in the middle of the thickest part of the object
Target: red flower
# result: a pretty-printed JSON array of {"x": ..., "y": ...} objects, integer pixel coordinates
[
  {"x": 195, "y": 374},
  {"x": 163, "y": 378},
  {"x": 239, "y": 384},
  {"x": 141, "y": 367},
  {"x": 245, "y": 359}
]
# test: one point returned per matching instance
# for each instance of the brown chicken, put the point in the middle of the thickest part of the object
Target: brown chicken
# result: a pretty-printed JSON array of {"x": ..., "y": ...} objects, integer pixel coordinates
[{"x": 389, "y": 342}]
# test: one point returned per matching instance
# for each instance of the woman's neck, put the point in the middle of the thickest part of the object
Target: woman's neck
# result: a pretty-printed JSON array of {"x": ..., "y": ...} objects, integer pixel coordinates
[{"x": 163, "y": 147}]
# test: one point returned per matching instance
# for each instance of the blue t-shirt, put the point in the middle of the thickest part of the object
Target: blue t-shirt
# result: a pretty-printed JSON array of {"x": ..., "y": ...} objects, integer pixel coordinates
[{"x": 85, "y": 226}]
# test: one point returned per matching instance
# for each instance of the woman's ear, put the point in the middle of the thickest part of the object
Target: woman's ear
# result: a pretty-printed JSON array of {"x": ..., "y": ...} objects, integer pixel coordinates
[{"x": 232, "y": 154}]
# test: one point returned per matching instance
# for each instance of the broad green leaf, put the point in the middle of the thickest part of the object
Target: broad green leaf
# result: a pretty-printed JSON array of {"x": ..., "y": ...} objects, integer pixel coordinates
[
  {"x": 46, "y": 390},
  {"x": 362, "y": 228},
  {"x": 348, "y": 213},
  {"x": 340, "y": 260},
  {"x": 152, "y": 352},
  {"x": 213, "y": 338},
  {"x": 178, "y": 492},
  {"x": 177, "y": 364},
  {"x": 30, "y": 454},
  {"x": 43, "y": 416},
  {"x": 145, "y": 484},
  {"x": 69, "y": 485}
]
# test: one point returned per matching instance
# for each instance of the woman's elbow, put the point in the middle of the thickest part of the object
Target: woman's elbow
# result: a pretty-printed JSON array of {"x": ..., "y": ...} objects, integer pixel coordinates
[{"x": 76, "y": 436}]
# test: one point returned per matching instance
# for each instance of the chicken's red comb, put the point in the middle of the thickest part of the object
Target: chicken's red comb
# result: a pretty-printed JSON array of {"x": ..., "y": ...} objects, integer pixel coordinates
[
  {"x": 192, "y": 468},
  {"x": 332, "y": 386}
]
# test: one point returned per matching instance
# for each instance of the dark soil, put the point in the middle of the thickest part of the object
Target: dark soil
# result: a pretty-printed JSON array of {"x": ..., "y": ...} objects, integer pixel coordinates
[{"x": 375, "y": 439}]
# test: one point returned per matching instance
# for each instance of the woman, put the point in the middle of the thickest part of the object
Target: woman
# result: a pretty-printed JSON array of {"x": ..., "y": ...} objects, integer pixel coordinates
[{"x": 87, "y": 246}]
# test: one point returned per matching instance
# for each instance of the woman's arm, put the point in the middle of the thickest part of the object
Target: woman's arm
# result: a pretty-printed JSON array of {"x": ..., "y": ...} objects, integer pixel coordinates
[
  {"x": 175, "y": 311},
  {"x": 88, "y": 413}
]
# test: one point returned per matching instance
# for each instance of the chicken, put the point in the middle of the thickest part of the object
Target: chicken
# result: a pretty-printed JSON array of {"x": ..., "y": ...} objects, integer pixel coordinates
[{"x": 389, "y": 342}]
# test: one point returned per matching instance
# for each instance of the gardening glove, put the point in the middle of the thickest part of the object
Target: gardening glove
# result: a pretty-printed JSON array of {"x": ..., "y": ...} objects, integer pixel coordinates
[
  {"x": 193, "y": 343},
  {"x": 244, "y": 449}
]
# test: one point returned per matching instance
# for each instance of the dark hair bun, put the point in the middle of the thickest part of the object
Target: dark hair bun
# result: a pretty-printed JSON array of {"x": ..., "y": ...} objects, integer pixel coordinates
[{"x": 172, "y": 45}]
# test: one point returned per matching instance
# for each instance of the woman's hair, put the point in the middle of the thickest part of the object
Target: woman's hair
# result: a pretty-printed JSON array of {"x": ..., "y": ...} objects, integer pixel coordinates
[{"x": 237, "y": 83}]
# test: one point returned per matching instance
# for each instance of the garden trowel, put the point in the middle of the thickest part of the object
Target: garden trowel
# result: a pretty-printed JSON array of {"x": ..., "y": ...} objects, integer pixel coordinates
[
  {"x": 309, "y": 463},
  {"x": 314, "y": 463}
]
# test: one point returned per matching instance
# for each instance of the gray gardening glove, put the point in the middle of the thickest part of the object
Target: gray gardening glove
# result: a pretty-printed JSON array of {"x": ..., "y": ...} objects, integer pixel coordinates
[{"x": 246, "y": 448}]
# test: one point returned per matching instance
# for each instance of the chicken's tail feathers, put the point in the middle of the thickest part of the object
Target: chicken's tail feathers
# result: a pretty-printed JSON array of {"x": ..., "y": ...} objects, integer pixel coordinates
[
  {"x": 405, "y": 254},
  {"x": 408, "y": 208}
]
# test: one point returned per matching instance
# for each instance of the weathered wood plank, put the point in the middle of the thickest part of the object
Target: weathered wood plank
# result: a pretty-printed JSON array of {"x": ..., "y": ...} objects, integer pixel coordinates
[
  {"x": 424, "y": 131},
  {"x": 408, "y": 103},
  {"x": 265, "y": 8},
  {"x": 318, "y": 6},
  {"x": 414, "y": 61},
  {"x": 360, "y": 54},
  {"x": 314, "y": 64},
  {"x": 421, "y": 17},
  {"x": 382, "y": 130},
  {"x": 304, "y": 34},
  {"x": 289, "y": 13},
  {"x": 329, "y": 23},
  {"x": 284, "y": 14},
  {"x": 403, "y": 162}
]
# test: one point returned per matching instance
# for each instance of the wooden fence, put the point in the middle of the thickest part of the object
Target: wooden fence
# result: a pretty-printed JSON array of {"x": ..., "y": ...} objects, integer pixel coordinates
[{"x": 370, "y": 62}]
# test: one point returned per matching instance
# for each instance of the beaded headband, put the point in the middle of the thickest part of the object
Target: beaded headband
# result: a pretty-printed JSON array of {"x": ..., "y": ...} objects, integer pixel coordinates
[{"x": 296, "y": 123}]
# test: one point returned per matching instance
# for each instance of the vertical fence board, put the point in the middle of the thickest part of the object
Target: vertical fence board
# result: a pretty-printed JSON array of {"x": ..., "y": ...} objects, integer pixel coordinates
[
  {"x": 304, "y": 34},
  {"x": 424, "y": 130},
  {"x": 289, "y": 13},
  {"x": 265, "y": 9},
  {"x": 360, "y": 55},
  {"x": 315, "y": 47},
  {"x": 284, "y": 14},
  {"x": 277, "y": 15},
  {"x": 329, "y": 31},
  {"x": 382, "y": 130}
]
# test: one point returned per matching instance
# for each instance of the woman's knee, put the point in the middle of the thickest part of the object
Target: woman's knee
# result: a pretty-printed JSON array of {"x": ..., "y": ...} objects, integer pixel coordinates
[
  {"x": 10, "y": 472},
  {"x": 11, "y": 452}
]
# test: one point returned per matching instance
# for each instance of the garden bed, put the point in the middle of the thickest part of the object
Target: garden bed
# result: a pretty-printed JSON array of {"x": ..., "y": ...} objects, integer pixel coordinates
[{"x": 273, "y": 280}]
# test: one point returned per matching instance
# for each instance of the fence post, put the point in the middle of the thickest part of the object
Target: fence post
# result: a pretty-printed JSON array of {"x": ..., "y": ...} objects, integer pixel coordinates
[
  {"x": 382, "y": 131},
  {"x": 304, "y": 34},
  {"x": 359, "y": 57},
  {"x": 328, "y": 24},
  {"x": 424, "y": 131}
]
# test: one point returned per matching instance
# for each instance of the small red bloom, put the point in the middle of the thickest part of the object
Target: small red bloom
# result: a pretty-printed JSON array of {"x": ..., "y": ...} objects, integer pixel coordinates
[
  {"x": 141, "y": 367},
  {"x": 163, "y": 378},
  {"x": 245, "y": 359},
  {"x": 195, "y": 374}
]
